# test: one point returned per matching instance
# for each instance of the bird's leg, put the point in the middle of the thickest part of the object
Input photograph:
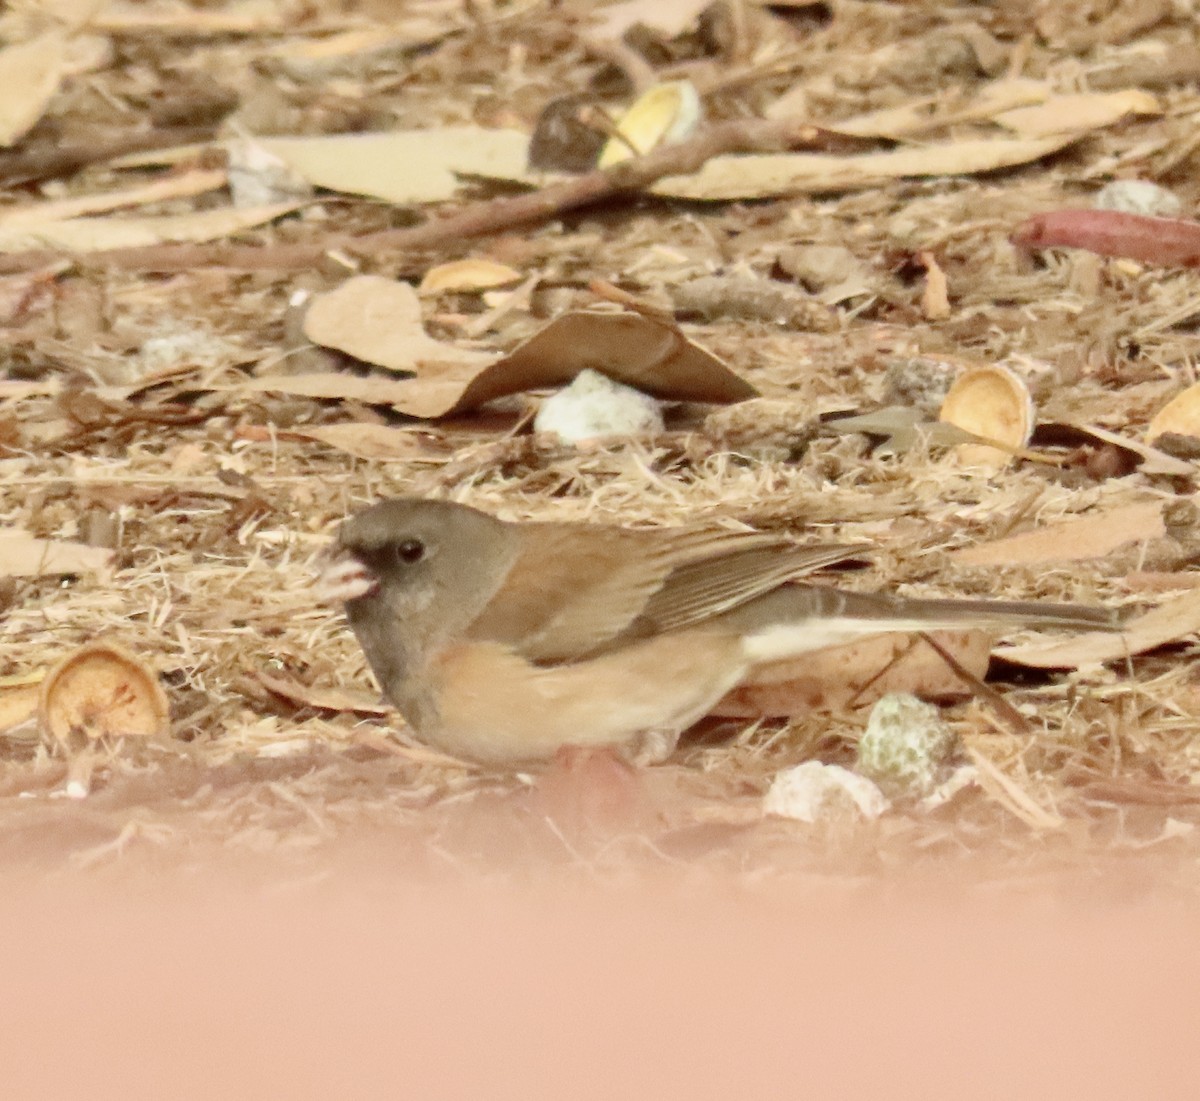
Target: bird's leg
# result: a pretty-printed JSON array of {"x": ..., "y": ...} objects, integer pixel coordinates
[
  {"x": 587, "y": 790},
  {"x": 652, "y": 747}
]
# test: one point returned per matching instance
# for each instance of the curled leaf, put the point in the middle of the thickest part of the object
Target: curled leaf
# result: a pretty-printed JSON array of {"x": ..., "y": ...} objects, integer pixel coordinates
[
  {"x": 474, "y": 274},
  {"x": 379, "y": 321},
  {"x": 1172, "y": 242}
]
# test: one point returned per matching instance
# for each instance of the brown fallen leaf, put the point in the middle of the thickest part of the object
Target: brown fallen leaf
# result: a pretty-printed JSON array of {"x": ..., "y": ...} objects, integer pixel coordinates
[
  {"x": 30, "y": 73},
  {"x": 242, "y": 17},
  {"x": 728, "y": 178},
  {"x": 1170, "y": 242},
  {"x": 102, "y": 690},
  {"x": 669, "y": 17},
  {"x": 1073, "y": 113},
  {"x": 379, "y": 321},
  {"x": 324, "y": 699},
  {"x": 1180, "y": 415},
  {"x": 405, "y": 166},
  {"x": 1170, "y": 622},
  {"x": 187, "y": 185},
  {"x": 18, "y": 704},
  {"x": 931, "y": 112},
  {"x": 23, "y": 555},
  {"x": 859, "y": 673},
  {"x": 100, "y": 234},
  {"x": 1143, "y": 457},
  {"x": 358, "y": 49},
  {"x": 1072, "y": 540},
  {"x": 935, "y": 298},
  {"x": 651, "y": 355},
  {"x": 473, "y": 274}
]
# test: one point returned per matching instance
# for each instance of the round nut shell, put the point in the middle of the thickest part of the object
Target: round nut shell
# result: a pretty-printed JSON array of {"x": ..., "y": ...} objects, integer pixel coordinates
[
  {"x": 991, "y": 401},
  {"x": 102, "y": 690}
]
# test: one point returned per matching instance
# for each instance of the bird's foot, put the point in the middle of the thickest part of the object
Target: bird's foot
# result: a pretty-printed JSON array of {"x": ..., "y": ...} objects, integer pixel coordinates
[{"x": 589, "y": 791}]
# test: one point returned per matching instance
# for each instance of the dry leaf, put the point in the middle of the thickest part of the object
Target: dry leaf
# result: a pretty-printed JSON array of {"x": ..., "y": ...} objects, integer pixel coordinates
[
  {"x": 1181, "y": 415},
  {"x": 30, "y": 73},
  {"x": 22, "y": 555},
  {"x": 640, "y": 351},
  {"x": 1072, "y": 540},
  {"x": 859, "y": 673},
  {"x": 467, "y": 275},
  {"x": 351, "y": 51},
  {"x": 86, "y": 53},
  {"x": 102, "y": 690},
  {"x": 1075, "y": 113},
  {"x": 1149, "y": 459},
  {"x": 761, "y": 176},
  {"x": 1165, "y": 242},
  {"x": 1027, "y": 107},
  {"x": 18, "y": 704},
  {"x": 99, "y": 234},
  {"x": 1169, "y": 622},
  {"x": 935, "y": 298},
  {"x": 30, "y": 215},
  {"x": 670, "y": 17},
  {"x": 325, "y": 699},
  {"x": 377, "y": 442},
  {"x": 926, "y": 114},
  {"x": 901, "y": 428},
  {"x": 405, "y": 166},
  {"x": 378, "y": 320},
  {"x": 244, "y": 17}
]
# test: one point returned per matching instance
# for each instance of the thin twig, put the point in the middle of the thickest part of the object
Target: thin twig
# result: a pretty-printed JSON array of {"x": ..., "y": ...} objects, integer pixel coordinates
[
  {"x": 46, "y": 161},
  {"x": 1011, "y": 716}
]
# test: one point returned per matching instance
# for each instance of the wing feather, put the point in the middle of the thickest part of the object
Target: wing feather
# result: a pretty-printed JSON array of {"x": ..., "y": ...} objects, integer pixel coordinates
[
  {"x": 572, "y": 589},
  {"x": 698, "y": 591},
  {"x": 576, "y": 589}
]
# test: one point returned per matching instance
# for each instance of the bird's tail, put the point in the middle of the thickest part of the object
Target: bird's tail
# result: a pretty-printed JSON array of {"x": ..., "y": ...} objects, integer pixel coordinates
[
  {"x": 798, "y": 619},
  {"x": 952, "y": 612}
]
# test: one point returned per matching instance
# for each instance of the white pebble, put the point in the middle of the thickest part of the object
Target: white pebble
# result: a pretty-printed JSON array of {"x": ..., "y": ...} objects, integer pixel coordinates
[
  {"x": 816, "y": 792},
  {"x": 258, "y": 177},
  {"x": 1139, "y": 197},
  {"x": 594, "y": 406},
  {"x": 177, "y": 343}
]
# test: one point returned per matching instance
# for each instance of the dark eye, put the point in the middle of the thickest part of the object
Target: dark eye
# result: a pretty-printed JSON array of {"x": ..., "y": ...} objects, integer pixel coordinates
[{"x": 410, "y": 551}]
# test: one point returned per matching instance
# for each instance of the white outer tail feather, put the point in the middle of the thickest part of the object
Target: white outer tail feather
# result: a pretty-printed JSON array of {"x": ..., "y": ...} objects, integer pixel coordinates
[{"x": 781, "y": 641}]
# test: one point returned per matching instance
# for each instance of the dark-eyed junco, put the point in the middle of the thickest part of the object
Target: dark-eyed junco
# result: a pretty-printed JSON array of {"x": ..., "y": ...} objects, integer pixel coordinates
[{"x": 503, "y": 642}]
